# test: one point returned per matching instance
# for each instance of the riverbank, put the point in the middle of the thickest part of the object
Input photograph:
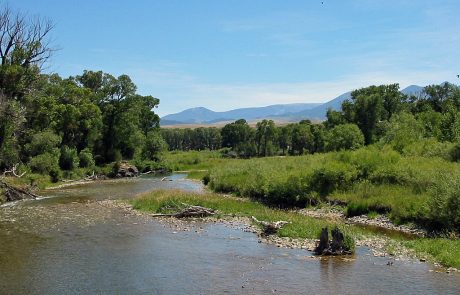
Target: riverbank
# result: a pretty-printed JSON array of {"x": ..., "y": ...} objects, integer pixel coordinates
[{"x": 302, "y": 231}]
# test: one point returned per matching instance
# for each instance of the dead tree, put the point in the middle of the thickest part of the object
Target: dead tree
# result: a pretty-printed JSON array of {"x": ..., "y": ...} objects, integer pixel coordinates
[
  {"x": 13, "y": 172},
  {"x": 28, "y": 35},
  {"x": 15, "y": 193}
]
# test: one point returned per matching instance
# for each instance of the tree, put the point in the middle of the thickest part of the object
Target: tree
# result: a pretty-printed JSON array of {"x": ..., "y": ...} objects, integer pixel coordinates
[
  {"x": 302, "y": 138},
  {"x": 285, "y": 137},
  {"x": 25, "y": 45},
  {"x": 11, "y": 118},
  {"x": 371, "y": 105},
  {"x": 403, "y": 130},
  {"x": 344, "y": 137},
  {"x": 236, "y": 133},
  {"x": 265, "y": 136},
  {"x": 334, "y": 118},
  {"x": 154, "y": 145},
  {"x": 439, "y": 96}
]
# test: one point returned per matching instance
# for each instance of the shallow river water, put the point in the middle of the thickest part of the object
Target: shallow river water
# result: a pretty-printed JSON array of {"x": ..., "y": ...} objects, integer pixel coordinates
[{"x": 74, "y": 243}]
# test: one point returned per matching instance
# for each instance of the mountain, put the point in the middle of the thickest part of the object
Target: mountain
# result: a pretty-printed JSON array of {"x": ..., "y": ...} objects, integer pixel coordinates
[
  {"x": 413, "y": 90},
  {"x": 202, "y": 115},
  {"x": 319, "y": 113},
  {"x": 283, "y": 112}
]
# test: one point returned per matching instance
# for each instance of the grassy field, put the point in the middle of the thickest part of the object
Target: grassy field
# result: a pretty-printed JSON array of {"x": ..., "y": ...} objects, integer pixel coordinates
[
  {"x": 196, "y": 163},
  {"x": 423, "y": 190},
  {"x": 443, "y": 250}
]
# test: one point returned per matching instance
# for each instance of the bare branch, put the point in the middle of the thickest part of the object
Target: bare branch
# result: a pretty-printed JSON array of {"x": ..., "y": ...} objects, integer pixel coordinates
[{"x": 24, "y": 40}]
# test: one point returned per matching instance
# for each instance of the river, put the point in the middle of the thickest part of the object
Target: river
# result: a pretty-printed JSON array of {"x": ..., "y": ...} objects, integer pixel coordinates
[{"x": 75, "y": 243}]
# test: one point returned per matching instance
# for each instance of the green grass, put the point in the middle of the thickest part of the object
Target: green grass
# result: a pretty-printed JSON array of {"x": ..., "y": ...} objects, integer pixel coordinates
[
  {"x": 193, "y": 160},
  {"x": 400, "y": 202},
  {"x": 369, "y": 179},
  {"x": 443, "y": 250},
  {"x": 300, "y": 227},
  {"x": 196, "y": 163}
]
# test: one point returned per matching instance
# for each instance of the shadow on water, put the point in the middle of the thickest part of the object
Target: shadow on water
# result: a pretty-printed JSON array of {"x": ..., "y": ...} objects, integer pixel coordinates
[{"x": 67, "y": 245}]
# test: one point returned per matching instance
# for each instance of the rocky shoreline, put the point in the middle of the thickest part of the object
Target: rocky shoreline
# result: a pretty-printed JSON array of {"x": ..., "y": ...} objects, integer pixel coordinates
[
  {"x": 378, "y": 245},
  {"x": 379, "y": 221}
]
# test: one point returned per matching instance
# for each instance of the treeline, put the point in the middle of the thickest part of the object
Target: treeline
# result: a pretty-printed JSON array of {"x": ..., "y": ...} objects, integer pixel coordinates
[
  {"x": 375, "y": 114},
  {"x": 50, "y": 124}
]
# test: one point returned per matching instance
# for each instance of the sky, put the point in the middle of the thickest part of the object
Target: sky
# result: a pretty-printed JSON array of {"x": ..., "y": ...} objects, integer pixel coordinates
[{"x": 239, "y": 53}]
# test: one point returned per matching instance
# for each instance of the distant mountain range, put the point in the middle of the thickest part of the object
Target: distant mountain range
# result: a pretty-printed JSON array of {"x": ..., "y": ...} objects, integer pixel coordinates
[{"x": 280, "y": 112}]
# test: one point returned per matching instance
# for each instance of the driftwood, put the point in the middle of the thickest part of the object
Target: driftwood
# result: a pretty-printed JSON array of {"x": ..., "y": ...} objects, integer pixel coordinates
[
  {"x": 270, "y": 228},
  {"x": 12, "y": 171},
  {"x": 87, "y": 178},
  {"x": 15, "y": 193},
  {"x": 191, "y": 211}
]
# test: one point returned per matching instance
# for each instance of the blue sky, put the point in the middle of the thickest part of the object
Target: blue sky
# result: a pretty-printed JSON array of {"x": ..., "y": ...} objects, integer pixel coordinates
[{"x": 239, "y": 53}]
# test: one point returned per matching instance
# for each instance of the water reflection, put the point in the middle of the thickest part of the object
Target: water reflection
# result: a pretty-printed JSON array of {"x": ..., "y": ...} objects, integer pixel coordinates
[{"x": 67, "y": 245}]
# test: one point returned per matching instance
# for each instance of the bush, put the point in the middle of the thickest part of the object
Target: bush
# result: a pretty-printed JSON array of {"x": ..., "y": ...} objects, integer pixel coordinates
[
  {"x": 43, "y": 142},
  {"x": 455, "y": 153},
  {"x": 153, "y": 146},
  {"x": 45, "y": 163},
  {"x": 444, "y": 205},
  {"x": 344, "y": 137},
  {"x": 99, "y": 160},
  {"x": 113, "y": 155},
  {"x": 55, "y": 175},
  {"x": 356, "y": 209},
  {"x": 69, "y": 158},
  {"x": 402, "y": 131},
  {"x": 334, "y": 175},
  {"x": 86, "y": 158}
]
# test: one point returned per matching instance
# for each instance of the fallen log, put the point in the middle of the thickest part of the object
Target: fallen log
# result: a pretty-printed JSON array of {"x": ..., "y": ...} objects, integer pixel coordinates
[
  {"x": 191, "y": 211},
  {"x": 15, "y": 193},
  {"x": 270, "y": 228}
]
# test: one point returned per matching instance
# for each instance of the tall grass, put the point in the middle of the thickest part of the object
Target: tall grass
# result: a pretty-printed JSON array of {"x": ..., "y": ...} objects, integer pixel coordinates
[
  {"x": 369, "y": 179},
  {"x": 192, "y": 160},
  {"x": 300, "y": 226}
]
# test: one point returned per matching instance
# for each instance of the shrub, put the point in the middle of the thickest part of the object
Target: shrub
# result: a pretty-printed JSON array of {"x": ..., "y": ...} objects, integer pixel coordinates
[
  {"x": 113, "y": 155},
  {"x": 43, "y": 142},
  {"x": 344, "y": 137},
  {"x": 55, "y": 175},
  {"x": 334, "y": 175},
  {"x": 86, "y": 158},
  {"x": 403, "y": 130},
  {"x": 45, "y": 163},
  {"x": 444, "y": 205},
  {"x": 69, "y": 158},
  {"x": 356, "y": 209},
  {"x": 153, "y": 146},
  {"x": 99, "y": 160},
  {"x": 455, "y": 153}
]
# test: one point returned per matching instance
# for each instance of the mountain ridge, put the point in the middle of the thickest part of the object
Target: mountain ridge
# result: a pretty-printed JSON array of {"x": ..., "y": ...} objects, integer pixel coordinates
[{"x": 286, "y": 112}]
